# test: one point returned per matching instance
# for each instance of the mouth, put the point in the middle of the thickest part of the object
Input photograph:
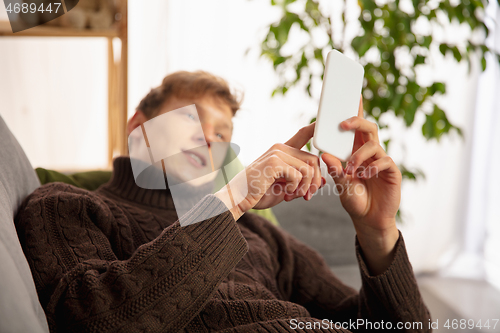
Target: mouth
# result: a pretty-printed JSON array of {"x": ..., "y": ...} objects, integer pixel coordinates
[{"x": 195, "y": 159}]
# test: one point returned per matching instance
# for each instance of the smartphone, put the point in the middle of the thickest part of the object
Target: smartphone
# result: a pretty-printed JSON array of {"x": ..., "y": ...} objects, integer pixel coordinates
[{"x": 340, "y": 97}]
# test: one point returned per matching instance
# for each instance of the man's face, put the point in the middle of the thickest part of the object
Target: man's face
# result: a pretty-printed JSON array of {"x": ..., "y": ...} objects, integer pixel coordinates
[
  {"x": 178, "y": 138},
  {"x": 215, "y": 118}
]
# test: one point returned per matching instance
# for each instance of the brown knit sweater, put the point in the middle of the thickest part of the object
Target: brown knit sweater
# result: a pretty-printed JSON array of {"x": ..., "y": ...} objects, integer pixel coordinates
[{"x": 117, "y": 260}]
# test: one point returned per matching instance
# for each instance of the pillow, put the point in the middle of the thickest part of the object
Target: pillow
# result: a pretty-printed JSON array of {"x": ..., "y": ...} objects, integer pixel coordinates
[
  {"x": 20, "y": 309},
  {"x": 89, "y": 180}
]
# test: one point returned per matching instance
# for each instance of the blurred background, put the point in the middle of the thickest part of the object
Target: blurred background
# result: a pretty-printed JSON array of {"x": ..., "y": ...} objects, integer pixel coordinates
[{"x": 432, "y": 84}]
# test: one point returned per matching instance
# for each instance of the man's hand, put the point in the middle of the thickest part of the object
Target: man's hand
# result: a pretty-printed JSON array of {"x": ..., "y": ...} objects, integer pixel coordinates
[
  {"x": 370, "y": 191},
  {"x": 284, "y": 172}
]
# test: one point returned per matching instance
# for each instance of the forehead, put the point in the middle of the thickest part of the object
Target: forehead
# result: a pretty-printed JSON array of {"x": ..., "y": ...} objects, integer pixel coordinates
[{"x": 208, "y": 107}]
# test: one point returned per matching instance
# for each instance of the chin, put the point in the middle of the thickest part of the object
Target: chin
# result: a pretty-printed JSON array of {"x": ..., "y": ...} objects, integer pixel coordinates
[
  {"x": 192, "y": 178},
  {"x": 199, "y": 181}
]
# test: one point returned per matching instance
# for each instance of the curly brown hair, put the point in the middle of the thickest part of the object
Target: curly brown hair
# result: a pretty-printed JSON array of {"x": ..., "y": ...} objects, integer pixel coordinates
[{"x": 189, "y": 85}]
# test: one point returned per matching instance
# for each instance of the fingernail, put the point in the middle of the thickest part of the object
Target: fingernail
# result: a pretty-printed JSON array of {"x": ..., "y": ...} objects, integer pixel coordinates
[
  {"x": 349, "y": 168},
  {"x": 323, "y": 181}
]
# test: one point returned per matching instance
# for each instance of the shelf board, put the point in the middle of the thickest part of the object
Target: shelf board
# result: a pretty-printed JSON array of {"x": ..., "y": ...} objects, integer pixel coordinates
[{"x": 51, "y": 31}]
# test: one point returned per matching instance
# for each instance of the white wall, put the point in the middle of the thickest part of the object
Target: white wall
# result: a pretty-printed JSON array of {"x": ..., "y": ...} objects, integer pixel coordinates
[
  {"x": 148, "y": 51},
  {"x": 53, "y": 91},
  {"x": 53, "y": 97},
  {"x": 214, "y": 36},
  {"x": 483, "y": 218}
]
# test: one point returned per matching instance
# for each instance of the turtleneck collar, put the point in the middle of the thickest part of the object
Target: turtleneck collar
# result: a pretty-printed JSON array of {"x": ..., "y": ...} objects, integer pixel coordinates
[{"x": 123, "y": 185}]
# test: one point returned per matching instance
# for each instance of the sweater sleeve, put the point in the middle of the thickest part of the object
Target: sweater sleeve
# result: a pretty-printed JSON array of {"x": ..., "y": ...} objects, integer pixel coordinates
[
  {"x": 393, "y": 295},
  {"x": 82, "y": 284},
  {"x": 391, "y": 298},
  {"x": 305, "y": 278}
]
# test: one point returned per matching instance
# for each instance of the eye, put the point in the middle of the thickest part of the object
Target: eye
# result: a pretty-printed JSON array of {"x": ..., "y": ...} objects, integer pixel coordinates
[
  {"x": 190, "y": 116},
  {"x": 220, "y": 136}
]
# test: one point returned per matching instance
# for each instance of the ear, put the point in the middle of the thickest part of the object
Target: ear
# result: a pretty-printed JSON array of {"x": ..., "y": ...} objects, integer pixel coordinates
[{"x": 137, "y": 120}]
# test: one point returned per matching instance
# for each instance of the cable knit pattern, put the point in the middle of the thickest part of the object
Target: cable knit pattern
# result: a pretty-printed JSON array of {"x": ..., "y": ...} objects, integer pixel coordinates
[{"x": 117, "y": 260}]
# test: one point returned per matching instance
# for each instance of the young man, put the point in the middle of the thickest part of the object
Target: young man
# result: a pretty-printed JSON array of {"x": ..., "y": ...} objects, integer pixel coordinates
[{"x": 117, "y": 259}]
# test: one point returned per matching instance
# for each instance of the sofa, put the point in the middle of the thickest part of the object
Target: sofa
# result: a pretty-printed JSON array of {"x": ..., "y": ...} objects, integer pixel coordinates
[
  {"x": 20, "y": 310},
  {"x": 322, "y": 223}
]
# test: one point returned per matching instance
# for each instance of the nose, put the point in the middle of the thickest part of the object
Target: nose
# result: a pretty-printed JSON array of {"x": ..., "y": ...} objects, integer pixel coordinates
[{"x": 208, "y": 134}]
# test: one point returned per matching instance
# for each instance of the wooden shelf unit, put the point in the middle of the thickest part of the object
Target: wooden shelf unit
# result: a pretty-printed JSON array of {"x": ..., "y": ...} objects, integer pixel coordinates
[
  {"x": 51, "y": 31},
  {"x": 117, "y": 71}
]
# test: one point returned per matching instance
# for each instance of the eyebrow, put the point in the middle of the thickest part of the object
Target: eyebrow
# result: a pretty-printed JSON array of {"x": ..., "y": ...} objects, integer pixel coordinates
[{"x": 228, "y": 125}]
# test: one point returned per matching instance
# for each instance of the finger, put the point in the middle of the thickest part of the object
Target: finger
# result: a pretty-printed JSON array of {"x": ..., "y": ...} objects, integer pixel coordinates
[
  {"x": 370, "y": 149},
  {"x": 288, "y": 197},
  {"x": 334, "y": 165},
  {"x": 278, "y": 190},
  {"x": 311, "y": 160},
  {"x": 311, "y": 193},
  {"x": 360, "y": 109},
  {"x": 376, "y": 167},
  {"x": 360, "y": 124},
  {"x": 302, "y": 136},
  {"x": 314, "y": 188},
  {"x": 290, "y": 175},
  {"x": 317, "y": 180},
  {"x": 302, "y": 167},
  {"x": 308, "y": 173}
]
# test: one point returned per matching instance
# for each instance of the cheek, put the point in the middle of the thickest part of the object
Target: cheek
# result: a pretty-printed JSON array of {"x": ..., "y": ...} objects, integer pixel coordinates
[
  {"x": 226, "y": 137},
  {"x": 184, "y": 138}
]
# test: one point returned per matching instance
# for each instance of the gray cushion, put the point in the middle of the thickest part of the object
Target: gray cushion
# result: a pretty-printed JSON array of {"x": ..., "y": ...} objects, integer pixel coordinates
[
  {"x": 20, "y": 310},
  {"x": 321, "y": 223}
]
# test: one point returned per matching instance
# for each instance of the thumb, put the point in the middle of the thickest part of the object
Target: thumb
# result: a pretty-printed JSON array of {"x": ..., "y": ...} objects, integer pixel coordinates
[{"x": 335, "y": 169}]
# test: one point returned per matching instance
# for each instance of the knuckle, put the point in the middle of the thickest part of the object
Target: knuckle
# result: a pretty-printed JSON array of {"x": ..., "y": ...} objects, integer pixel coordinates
[
  {"x": 273, "y": 161},
  {"x": 389, "y": 159},
  {"x": 313, "y": 160},
  {"x": 278, "y": 146},
  {"x": 297, "y": 174},
  {"x": 274, "y": 152},
  {"x": 310, "y": 171},
  {"x": 274, "y": 147},
  {"x": 306, "y": 170}
]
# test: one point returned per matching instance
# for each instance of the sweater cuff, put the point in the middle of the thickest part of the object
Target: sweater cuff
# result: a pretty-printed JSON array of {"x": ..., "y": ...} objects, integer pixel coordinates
[{"x": 397, "y": 284}]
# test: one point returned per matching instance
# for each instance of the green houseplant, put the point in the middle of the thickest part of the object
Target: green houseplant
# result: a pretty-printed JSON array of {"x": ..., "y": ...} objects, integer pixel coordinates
[{"x": 388, "y": 29}]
